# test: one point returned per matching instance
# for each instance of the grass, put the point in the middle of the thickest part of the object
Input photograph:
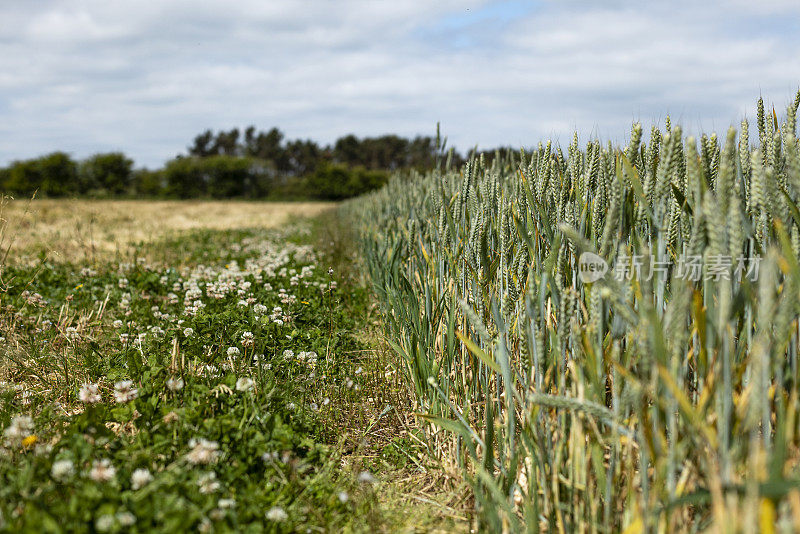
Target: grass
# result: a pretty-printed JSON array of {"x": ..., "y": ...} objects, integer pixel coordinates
[
  {"x": 198, "y": 424},
  {"x": 93, "y": 230}
]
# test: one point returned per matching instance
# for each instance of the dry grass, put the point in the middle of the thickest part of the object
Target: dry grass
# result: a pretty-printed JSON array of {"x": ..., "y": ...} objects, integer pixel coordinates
[{"x": 80, "y": 230}]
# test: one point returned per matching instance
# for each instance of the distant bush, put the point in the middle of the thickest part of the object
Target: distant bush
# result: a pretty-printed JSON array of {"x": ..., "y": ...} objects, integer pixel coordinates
[
  {"x": 106, "y": 175},
  {"x": 53, "y": 175},
  {"x": 332, "y": 181},
  {"x": 148, "y": 183},
  {"x": 217, "y": 177},
  {"x": 231, "y": 164}
]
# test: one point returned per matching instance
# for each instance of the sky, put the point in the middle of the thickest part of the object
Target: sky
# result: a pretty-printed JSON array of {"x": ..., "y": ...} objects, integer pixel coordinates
[{"x": 145, "y": 77}]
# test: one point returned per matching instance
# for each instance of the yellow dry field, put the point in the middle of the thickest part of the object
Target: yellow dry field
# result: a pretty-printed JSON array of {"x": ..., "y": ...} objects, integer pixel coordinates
[{"x": 79, "y": 230}]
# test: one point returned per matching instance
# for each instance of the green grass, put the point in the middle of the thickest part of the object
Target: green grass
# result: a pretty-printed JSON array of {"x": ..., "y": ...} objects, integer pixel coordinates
[{"x": 286, "y": 452}]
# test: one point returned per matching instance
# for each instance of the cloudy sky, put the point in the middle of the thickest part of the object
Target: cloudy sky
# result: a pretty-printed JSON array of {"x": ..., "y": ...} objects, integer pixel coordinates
[{"x": 145, "y": 77}]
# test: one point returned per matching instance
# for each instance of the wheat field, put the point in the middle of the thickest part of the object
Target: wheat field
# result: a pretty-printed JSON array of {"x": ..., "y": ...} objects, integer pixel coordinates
[{"x": 606, "y": 338}]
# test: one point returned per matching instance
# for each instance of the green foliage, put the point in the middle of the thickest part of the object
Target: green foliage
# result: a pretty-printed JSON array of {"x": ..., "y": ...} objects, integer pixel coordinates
[
  {"x": 106, "y": 174},
  {"x": 53, "y": 175},
  {"x": 148, "y": 183},
  {"x": 336, "y": 182},
  {"x": 218, "y": 177},
  {"x": 230, "y": 165}
]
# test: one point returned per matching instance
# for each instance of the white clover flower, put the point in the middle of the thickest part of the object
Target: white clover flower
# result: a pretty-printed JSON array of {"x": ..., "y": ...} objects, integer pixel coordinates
[
  {"x": 277, "y": 514},
  {"x": 89, "y": 394},
  {"x": 117, "y": 324},
  {"x": 269, "y": 456},
  {"x": 125, "y": 392},
  {"x": 288, "y": 354},
  {"x": 203, "y": 451},
  {"x": 233, "y": 351},
  {"x": 20, "y": 428},
  {"x": 244, "y": 384},
  {"x": 104, "y": 523},
  {"x": 126, "y": 519},
  {"x": 122, "y": 283},
  {"x": 308, "y": 357},
  {"x": 174, "y": 383},
  {"x": 365, "y": 477},
  {"x": 62, "y": 470},
  {"x": 208, "y": 483},
  {"x": 343, "y": 497},
  {"x": 248, "y": 339},
  {"x": 188, "y": 332},
  {"x": 102, "y": 471},
  {"x": 43, "y": 449},
  {"x": 140, "y": 478},
  {"x": 157, "y": 331},
  {"x": 226, "y": 503}
]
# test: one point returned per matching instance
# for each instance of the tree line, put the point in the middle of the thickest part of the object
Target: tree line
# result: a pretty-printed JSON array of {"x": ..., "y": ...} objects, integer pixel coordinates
[{"x": 230, "y": 164}]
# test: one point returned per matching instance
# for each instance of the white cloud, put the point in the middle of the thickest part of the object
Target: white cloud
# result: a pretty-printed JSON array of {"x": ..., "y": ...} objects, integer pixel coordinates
[{"x": 145, "y": 77}]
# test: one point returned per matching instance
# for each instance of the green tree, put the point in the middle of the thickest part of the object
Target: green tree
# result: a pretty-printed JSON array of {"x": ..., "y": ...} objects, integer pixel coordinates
[
  {"x": 333, "y": 181},
  {"x": 347, "y": 150},
  {"x": 202, "y": 146},
  {"x": 227, "y": 143},
  {"x": 148, "y": 183},
  {"x": 266, "y": 146},
  {"x": 422, "y": 153},
  {"x": 302, "y": 157},
  {"x": 5, "y": 175},
  {"x": 228, "y": 176},
  {"x": 184, "y": 178},
  {"x": 53, "y": 175},
  {"x": 109, "y": 174}
]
